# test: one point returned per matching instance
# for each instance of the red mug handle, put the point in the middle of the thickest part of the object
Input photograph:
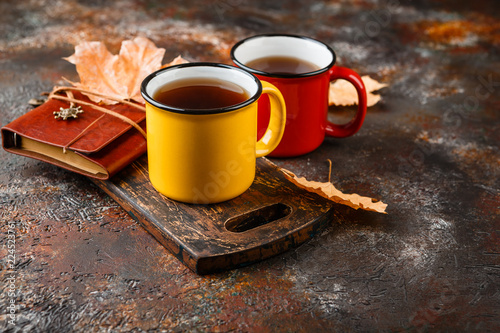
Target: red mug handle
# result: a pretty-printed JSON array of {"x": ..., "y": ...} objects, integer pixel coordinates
[{"x": 345, "y": 130}]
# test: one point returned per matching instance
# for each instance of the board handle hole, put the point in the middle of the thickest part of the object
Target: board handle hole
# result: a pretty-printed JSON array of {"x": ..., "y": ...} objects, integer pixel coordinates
[{"x": 258, "y": 217}]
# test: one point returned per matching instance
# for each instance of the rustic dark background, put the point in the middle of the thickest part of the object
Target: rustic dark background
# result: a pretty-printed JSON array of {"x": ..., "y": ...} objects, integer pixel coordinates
[{"x": 430, "y": 149}]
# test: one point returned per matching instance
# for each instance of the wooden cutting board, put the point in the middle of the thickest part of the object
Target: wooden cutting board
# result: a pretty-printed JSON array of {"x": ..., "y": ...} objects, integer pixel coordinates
[{"x": 272, "y": 216}]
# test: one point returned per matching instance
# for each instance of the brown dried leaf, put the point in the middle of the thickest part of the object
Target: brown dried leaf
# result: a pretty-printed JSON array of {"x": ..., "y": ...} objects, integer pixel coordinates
[
  {"x": 328, "y": 191},
  {"x": 177, "y": 61},
  {"x": 343, "y": 93},
  {"x": 139, "y": 58},
  {"x": 117, "y": 76}
]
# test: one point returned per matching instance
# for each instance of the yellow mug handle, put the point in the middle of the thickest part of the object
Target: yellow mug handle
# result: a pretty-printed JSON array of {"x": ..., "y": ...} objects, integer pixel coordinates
[{"x": 276, "y": 127}]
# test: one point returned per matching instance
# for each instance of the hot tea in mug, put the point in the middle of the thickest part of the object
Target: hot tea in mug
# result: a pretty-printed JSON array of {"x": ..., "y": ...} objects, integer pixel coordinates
[
  {"x": 302, "y": 69},
  {"x": 200, "y": 94},
  {"x": 282, "y": 65}
]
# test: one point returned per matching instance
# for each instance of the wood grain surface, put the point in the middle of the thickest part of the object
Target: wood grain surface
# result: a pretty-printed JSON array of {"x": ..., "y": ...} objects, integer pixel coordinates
[{"x": 272, "y": 216}]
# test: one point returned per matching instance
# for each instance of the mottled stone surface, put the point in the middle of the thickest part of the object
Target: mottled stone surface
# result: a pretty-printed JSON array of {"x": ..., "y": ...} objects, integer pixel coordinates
[{"x": 430, "y": 149}]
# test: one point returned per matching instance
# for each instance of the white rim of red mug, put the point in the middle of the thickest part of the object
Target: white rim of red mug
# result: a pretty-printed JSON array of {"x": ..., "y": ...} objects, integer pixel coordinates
[{"x": 265, "y": 45}]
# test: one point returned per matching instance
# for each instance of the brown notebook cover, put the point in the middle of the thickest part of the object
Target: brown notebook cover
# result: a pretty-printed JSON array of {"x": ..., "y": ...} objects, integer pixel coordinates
[{"x": 105, "y": 148}]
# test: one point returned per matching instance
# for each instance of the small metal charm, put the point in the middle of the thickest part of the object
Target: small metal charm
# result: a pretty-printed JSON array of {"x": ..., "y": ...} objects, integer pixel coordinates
[
  {"x": 69, "y": 112},
  {"x": 36, "y": 101}
]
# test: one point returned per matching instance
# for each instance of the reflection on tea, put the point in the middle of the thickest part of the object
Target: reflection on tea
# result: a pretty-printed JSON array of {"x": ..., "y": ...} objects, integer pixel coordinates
[
  {"x": 200, "y": 94},
  {"x": 282, "y": 65}
]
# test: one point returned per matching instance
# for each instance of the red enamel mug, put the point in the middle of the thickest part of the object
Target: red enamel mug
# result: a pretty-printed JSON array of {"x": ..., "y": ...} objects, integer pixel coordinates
[{"x": 305, "y": 93}]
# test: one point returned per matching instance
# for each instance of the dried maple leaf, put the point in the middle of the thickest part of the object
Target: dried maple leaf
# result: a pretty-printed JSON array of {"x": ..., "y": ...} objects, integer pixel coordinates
[
  {"x": 328, "y": 191},
  {"x": 177, "y": 61},
  {"x": 343, "y": 93},
  {"x": 117, "y": 76}
]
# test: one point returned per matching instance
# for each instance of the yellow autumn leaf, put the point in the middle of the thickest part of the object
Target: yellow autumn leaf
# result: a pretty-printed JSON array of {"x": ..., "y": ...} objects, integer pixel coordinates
[
  {"x": 328, "y": 191},
  {"x": 343, "y": 93}
]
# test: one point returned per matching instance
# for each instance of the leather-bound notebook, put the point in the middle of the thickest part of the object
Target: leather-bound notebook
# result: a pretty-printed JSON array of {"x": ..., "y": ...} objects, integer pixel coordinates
[{"x": 94, "y": 144}]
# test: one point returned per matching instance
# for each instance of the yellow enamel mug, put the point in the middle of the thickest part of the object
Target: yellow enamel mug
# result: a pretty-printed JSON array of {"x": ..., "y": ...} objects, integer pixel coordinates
[{"x": 201, "y": 155}]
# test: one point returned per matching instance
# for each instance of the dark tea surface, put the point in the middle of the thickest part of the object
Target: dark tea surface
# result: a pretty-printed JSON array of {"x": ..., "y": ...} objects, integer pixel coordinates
[
  {"x": 282, "y": 65},
  {"x": 200, "y": 94}
]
